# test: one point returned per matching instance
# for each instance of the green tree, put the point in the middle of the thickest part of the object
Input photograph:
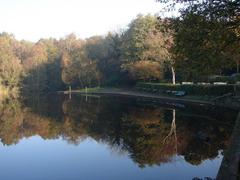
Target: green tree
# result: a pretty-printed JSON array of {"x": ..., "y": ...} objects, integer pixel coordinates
[
  {"x": 211, "y": 45},
  {"x": 159, "y": 44},
  {"x": 205, "y": 48},
  {"x": 134, "y": 37},
  {"x": 147, "y": 48},
  {"x": 133, "y": 48}
]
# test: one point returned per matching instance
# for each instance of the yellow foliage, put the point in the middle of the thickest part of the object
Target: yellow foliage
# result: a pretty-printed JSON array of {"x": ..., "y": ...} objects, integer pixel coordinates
[{"x": 146, "y": 70}]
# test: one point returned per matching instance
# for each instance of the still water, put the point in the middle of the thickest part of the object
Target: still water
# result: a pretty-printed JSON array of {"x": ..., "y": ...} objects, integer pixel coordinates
[{"x": 115, "y": 138}]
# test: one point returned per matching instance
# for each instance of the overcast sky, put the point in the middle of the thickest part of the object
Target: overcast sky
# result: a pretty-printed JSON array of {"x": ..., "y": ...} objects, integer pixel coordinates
[{"x": 35, "y": 19}]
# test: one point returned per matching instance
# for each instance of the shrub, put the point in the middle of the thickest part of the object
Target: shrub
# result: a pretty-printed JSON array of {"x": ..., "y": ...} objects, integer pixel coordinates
[
  {"x": 194, "y": 89},
  {"x": 227, "y": 79}
]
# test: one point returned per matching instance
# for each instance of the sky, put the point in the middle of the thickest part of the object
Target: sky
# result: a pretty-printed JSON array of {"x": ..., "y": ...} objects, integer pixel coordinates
[{"x": 35, "y": 19}]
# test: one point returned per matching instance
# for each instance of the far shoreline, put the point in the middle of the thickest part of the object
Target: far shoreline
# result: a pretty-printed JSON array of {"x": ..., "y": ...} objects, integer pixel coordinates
[{"x": 194, "y": 100}]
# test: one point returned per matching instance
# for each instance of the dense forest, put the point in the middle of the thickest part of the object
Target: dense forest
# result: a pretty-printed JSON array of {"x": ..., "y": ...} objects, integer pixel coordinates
[{"x": 203, "y": 41}]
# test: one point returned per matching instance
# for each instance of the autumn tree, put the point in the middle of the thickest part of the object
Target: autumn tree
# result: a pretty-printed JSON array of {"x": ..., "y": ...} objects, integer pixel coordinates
[
  {"x": 105, "y": 52},
  {"x": 77, "y": 68},
  {"x": 10, "y": 64},
  {"x": 36, "y": 69},
  {"x": 53, "y": 65}
]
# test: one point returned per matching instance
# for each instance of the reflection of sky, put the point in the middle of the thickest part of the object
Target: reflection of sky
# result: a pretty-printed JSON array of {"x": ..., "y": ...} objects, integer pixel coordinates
[{"x": 38, "y": 159}]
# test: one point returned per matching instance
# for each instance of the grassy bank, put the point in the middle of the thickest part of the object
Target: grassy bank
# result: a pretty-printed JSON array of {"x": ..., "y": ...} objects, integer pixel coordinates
[
  {"x": 203, "y": 94},
  {"x": 132, "y": 92}
]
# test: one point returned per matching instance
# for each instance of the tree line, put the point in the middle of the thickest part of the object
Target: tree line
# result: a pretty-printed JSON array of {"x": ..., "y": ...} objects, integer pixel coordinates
[
  {"x": 202, "y": 41},
  {"x": 113, "y": 59}
]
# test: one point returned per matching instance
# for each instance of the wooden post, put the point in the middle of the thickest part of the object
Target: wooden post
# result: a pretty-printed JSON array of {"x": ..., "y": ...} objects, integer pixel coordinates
[
  {"x": 235, "y": 89},
  {"x": 86, "y": 91},
  {"x": 70, "y": 92}
]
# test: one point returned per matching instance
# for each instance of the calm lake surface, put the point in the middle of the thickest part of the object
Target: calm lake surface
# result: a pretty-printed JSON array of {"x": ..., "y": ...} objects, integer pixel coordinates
[{"x": 101, "y": 138}]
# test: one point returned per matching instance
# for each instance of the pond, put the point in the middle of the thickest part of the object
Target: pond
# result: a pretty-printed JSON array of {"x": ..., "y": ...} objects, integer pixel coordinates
[{"x": 110, "y": 137}]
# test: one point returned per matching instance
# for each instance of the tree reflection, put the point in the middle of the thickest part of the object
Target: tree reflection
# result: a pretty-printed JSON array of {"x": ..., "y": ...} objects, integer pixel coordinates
[
  {"x": 173, "y": 131},
  {"x": 150, "y": 134}
]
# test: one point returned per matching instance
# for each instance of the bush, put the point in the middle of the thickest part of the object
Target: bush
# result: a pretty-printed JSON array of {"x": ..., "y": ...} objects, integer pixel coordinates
[
  {"x": 235, "y": 77},
  {"x": 194, "y": 89},
  {"x": 227, "y": 79}
]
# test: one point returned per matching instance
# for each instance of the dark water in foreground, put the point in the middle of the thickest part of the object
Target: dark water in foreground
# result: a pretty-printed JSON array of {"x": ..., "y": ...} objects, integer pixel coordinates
[{"x": 101, "y": 138}]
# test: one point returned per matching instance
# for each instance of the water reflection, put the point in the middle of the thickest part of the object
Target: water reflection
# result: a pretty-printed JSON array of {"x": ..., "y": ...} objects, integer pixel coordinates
[{"x": 149, "y": 133}]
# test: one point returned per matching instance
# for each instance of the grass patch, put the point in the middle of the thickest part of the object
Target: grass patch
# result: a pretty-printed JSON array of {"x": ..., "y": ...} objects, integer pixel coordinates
[{"x": 89, "y": 90}]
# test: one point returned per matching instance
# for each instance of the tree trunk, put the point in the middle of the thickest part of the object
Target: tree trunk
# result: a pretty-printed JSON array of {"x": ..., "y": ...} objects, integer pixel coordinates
[{"x": 173, "y": 75}]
